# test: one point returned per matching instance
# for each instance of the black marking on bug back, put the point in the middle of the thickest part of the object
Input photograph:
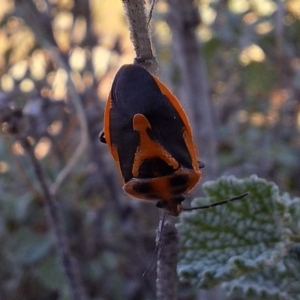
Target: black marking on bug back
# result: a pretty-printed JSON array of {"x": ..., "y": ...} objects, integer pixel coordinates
[
  {"x": 168, "y": 128},
  {"x": 122, "y": 135},
  {"x": 134, "y": 91},
  {"x": 154, "y": 167},
  {"x": 179, "y": 184},
  {"x": 179, "y": 180},
  {"x": 143, "y": 188}
]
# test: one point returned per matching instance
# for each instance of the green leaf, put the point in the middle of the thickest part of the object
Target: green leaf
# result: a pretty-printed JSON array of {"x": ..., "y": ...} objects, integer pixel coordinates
[
  {"x": 268, "y": 284},
  {"x": 280, "y": 281},
  {"x": 16, "y": 209},
  {"x": 273, "y": 283},
  {"x": 292, "y": 216},
  {"x": 27, "y": 247},
  {"x": 50, "y": 274},
  {"x": 223, "y": 243},
  {"x": 258, "y": 78}
]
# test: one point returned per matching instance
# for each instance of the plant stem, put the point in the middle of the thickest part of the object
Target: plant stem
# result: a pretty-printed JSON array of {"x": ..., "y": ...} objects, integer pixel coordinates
[
  {"x": 167, "y": 242},
  {"x": 167, "y": 235},
  {"x": 139, "y": 33},
  {"x": 69, "y": 264}
]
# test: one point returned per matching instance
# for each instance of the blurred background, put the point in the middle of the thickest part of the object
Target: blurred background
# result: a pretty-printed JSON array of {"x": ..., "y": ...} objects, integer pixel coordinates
[{"x": 250, "y": 60}]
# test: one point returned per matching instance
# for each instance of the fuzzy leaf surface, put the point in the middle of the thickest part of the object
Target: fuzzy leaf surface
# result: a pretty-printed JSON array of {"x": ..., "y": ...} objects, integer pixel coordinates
[{"x": 223, "y": 243}]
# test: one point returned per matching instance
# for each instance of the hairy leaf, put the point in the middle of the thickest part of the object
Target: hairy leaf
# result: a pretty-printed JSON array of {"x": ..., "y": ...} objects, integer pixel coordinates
[{"x": 225, "y": 242}]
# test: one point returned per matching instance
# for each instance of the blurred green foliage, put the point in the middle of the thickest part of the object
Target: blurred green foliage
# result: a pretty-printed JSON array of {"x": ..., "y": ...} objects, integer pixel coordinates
[{"x": 251, "y": 50}]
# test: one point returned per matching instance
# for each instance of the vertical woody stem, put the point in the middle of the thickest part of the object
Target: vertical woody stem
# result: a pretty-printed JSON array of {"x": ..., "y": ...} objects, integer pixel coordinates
[
  {"x": 69, "y": 264},
  {"x": 167, "y": 235},
  {"x": 139, "y": 32},
  {"x": 167, "y": 241}
]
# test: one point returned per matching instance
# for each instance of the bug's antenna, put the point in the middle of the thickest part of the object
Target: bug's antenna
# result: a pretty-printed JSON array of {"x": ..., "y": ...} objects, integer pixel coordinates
[{"x": 216, "y": 203}]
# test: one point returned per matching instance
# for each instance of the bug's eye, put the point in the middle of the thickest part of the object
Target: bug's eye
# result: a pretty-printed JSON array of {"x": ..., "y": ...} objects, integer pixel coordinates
[
  {"x": 201, "y": 164},
  {"x": 102, "y": 137}
]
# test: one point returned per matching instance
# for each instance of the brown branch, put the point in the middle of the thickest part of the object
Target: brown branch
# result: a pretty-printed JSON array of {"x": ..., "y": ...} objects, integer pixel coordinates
[
  {"x": 167, "y": 242},
  {"x": 81, "y": 118},
  {"x": 44, "y": 37},
  {"x": 28, "y": 11},
  {"x": 167, "y": 235},
  {"x": 139, "y": 32},
  {"x": 69, "y": 264}
]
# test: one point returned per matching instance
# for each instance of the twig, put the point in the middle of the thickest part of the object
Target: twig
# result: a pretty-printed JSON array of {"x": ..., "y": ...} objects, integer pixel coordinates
[
  {"x": 151, "y": 11},
  {"x": 82, "y": 121},
  {"x": 44, "y": 37},
  {"x": 139, "y": 32},
  {"x": 167, "y": 234},
  {"x": 69, "y": 264},
  {"x": 167, "y": 241}
]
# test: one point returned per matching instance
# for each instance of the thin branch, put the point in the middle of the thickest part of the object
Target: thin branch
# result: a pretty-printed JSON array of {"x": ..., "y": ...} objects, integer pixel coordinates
[
  {"x": 167, "y": 241},
  {"x": 69, "y": 264},
  {"x": 139, "y": 32},
  {"x": 151, "y": 11},
  {"x": 167, "y": 235},
  {"x": 44, "y": 37},
  {"x": 72, "y": 162},
  {"x": 27, "y": 10}
]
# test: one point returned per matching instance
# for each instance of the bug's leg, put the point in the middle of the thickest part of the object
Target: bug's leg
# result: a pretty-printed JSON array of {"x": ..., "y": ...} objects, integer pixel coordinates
[
  {"x": 201, "y": 164},
  {"x": 102, "y": 137}
]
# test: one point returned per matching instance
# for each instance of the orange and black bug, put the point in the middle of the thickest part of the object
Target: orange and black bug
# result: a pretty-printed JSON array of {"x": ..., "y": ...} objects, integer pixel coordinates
[{"x": 150, "y": 139}]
